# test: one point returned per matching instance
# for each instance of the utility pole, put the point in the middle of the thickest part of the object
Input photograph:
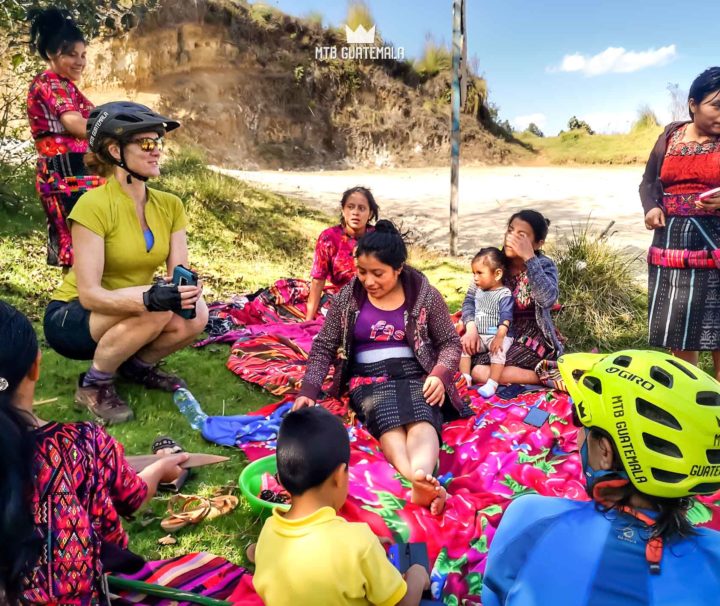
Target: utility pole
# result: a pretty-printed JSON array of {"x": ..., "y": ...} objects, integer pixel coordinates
[{"x": 459, "y": 55}]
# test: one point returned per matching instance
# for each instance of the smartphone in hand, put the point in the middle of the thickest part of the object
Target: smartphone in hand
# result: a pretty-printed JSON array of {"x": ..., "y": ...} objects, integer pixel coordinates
[
  {"x": 182, "y": 276},
  {"x": 709, "y": 194}
]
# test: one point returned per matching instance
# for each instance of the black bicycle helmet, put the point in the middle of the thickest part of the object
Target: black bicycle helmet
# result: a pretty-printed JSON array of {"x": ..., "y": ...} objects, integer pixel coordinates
[{"x": 120, "y": 120}]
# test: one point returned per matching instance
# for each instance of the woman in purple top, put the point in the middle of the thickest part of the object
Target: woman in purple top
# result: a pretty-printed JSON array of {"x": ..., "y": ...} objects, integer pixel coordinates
[
  {"x": 392, "y": 342},
  {"x": 335, "y": 246}
]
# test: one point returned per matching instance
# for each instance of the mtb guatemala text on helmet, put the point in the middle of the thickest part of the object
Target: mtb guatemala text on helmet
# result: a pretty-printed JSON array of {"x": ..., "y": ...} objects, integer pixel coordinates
[{"x": 662, "y": 414}]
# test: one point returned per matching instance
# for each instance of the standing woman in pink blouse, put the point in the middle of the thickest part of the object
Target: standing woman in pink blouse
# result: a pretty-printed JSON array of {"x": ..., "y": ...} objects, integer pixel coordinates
[
  {"x": 334, "y": 259},
  {"x": 58, "y": 112}
]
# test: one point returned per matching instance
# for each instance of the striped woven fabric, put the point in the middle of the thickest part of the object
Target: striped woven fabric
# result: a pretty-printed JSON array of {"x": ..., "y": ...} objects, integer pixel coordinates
[
  {"x": 201, "y": 573},
  {"x": 684, "y": 205},
  {"x": 681, "y": 259}
]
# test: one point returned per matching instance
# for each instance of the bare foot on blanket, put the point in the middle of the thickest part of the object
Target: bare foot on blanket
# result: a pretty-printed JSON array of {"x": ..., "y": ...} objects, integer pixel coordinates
[
  {"x": 438, "y": 503},
  {"x": 427, "y": 492}
]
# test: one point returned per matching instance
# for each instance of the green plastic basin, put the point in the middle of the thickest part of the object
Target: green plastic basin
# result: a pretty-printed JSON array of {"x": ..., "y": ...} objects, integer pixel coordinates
[{"x": 251, "y": 481}]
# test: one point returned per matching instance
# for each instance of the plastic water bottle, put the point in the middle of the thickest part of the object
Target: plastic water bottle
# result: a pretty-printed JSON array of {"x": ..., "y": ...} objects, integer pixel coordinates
[{"x": 190, "y": 408}]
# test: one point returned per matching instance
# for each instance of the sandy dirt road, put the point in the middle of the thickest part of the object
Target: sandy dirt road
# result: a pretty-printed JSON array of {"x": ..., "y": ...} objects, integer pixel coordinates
[{"x": 419, "y": 198}]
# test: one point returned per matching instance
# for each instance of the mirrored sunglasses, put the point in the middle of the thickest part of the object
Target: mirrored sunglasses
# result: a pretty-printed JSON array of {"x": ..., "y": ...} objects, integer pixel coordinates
[{"x": 148, "y": 144}]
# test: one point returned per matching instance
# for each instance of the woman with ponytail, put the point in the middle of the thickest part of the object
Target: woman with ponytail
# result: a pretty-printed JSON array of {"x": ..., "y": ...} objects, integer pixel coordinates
[
  {"x": 64, "y": 487},
  {"x": 394, "y": 348},
  {"x": 58, "y": 113}
]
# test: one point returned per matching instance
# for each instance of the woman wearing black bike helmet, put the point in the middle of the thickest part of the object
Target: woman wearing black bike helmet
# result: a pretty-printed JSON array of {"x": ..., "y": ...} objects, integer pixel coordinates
[{"x": 107, "y": 309}]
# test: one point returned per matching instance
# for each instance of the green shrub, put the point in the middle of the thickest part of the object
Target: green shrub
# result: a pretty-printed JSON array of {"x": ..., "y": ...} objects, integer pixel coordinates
[
  {"x": 263, "y": 14},
  {"x": 604, "y": 304},
  {"x": 359, "y": 14},
  {"x": 576, "y": 124},
  {"x": 534, "y": 129},
  {"x": 436, "y": 58},
  {"x": 646, "y": 119}
]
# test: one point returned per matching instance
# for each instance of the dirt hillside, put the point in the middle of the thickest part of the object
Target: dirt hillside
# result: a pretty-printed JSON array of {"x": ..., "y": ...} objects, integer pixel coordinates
[{"x": 249, "y": 90}]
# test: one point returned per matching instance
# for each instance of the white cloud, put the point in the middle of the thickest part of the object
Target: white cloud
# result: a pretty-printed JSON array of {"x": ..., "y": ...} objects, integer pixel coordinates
[
  {"x": 616, "y": 60},
  {"x": 522, "y": 122},
  {"x": 610, "y": 122}
]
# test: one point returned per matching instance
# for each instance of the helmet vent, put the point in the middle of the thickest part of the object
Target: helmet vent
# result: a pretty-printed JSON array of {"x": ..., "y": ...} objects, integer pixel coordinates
[
  {"x": 128, "y": 118},
  {"x": 669, "y": 477},
  {"x": 623, "y": 361},
  {"x": 706, "y": 487},
  {"x": 657, "y": 414},
  {"x": 661, "y": 376},
  {"x": 679, "y": 366},
  {"x": 662, "y": 446},
  {"x": 713, "y": 456},
  {"x": 593, "y": 383},
  {"x": 708, "y": 398}
]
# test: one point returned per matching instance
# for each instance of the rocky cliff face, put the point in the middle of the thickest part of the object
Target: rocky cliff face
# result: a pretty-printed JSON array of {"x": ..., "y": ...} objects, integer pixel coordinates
[{"x": 250, "y": 91}]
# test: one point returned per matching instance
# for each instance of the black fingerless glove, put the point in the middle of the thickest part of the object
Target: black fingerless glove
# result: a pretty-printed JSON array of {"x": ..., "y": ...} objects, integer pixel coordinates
[{"x": 163, "y": 297}]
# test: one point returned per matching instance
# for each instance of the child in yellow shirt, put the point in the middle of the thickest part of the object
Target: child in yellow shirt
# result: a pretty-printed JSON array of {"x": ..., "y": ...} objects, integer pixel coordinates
[{"x": 311, "y": 556}]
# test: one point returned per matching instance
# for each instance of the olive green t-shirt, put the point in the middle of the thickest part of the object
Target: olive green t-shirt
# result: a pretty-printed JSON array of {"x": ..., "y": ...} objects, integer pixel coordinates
[{"x": 110, "y": 213}]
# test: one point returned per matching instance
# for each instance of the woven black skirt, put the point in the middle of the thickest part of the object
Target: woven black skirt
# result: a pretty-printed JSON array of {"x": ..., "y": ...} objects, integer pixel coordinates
[
  {"x": 388, "y": 394},
  {"x": 684, "y": 303}
]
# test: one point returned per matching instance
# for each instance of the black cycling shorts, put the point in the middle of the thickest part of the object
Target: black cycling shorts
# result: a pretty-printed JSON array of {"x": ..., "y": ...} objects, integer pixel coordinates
[{"x": 67, "y": 330}]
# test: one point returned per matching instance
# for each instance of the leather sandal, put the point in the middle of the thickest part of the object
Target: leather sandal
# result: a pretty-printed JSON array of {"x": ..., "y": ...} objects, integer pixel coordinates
[
  {"x": 219, "y": 506},
  {"x": 192, "y": 510}
]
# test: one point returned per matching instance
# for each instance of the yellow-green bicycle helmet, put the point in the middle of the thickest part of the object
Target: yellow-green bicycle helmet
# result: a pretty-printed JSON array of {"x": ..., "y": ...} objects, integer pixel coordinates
[{"x": 662, "y": 413}]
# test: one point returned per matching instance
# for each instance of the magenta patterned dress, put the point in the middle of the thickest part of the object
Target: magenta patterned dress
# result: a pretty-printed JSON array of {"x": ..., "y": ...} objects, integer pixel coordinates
[
  {"x": 334, "y": 259},
  {"x": 83, "y": 486},
  {"x": 61, "y": 174}
]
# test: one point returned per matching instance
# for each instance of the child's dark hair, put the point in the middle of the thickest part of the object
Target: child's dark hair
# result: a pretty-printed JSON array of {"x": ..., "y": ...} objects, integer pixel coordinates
[
  {"x": 53, "y": 31},
  {"x": 374, "y": 208},
  {"x": 536, "y": 220},
  {"x": 17, "y": 448},
  {"x": 386, "y": 243},
  {"x": 705, "y": 84},
  {"x": 494, "y": 256},
  {"x": 311, "y": 444}
]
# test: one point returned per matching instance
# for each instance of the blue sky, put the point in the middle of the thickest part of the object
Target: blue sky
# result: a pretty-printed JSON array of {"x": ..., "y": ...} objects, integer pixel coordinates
[{"x": 551, "y": 59}]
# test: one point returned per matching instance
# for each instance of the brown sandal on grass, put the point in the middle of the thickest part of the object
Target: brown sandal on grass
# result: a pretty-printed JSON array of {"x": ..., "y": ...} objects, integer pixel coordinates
[
  {"x": 221, "y": 505},
  {"x": 192, "y": 510}
]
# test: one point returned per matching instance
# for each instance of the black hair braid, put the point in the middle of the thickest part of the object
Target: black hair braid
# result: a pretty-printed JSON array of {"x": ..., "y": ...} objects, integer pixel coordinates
[{"x": 52, "y": 31}]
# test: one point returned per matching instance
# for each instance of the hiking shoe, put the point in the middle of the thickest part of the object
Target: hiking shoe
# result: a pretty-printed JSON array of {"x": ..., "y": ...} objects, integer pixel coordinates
[
  {"x": 151, "y": 377},
  {"x": 103, "y": 401}
]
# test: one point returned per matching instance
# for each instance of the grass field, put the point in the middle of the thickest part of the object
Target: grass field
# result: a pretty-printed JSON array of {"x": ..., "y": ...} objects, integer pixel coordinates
[
  {"x": 241, "y": 239},
  {"x": 578, "y": 147}
]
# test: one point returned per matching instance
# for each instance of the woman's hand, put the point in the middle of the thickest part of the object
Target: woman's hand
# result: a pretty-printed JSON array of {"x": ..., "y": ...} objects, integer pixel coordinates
[
  {"x": 189, "y": 295},
  {"x": 655, "y": 218},
  {"x": 434, "y": 391},
  {"x": 167, "y": 467},
  {"x": 711, "y": 203},
  {"x": 521, "y": 244},
  {"x": 470, "y": 341},
  {"x": 302, "y": 402}
]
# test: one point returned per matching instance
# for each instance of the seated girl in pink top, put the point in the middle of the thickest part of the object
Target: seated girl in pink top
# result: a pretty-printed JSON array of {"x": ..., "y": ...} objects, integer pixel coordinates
[{"x": 334, "y": 259}]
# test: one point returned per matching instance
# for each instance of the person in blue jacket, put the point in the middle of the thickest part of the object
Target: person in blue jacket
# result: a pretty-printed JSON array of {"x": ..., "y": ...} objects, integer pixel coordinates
[{"x": 650, "y": 442}]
